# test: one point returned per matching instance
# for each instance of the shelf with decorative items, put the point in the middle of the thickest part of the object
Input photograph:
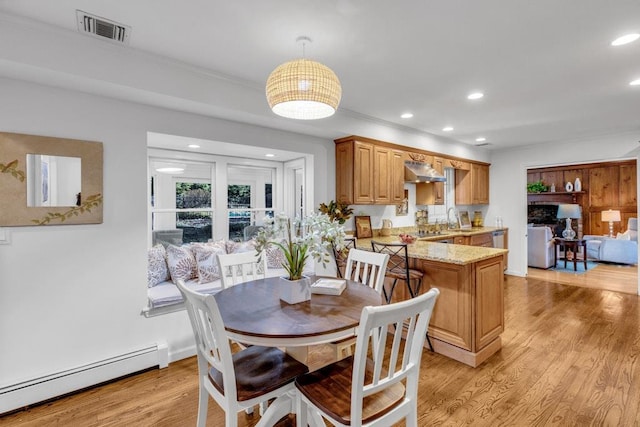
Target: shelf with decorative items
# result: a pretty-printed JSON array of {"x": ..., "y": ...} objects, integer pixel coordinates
[{"x": 556, "y": 196}]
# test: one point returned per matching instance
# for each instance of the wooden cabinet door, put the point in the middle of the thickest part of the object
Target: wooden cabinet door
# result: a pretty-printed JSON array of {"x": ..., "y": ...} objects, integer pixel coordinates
[
  {"x": 463, "y": 187},
  {"x": 438, "y": 187},
  {"x": 397, "y": 176},
  {"x": 344, "y": 172},
  {"x": 381, "y": 175},
  {"x": 485, "y": 240},
  {"x": 363, "y": 184},
  {"x": 452, "y": 314},
  {"x": 489, "y": 278},
  {"x": 480, "y": 184}
]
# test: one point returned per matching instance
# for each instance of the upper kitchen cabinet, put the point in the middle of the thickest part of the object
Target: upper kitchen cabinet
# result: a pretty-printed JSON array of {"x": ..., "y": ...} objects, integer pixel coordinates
[
  {"x": 472, "y": 186},
  {"x": 432, "y": 193},
  {"x": 368, "y": 173}
]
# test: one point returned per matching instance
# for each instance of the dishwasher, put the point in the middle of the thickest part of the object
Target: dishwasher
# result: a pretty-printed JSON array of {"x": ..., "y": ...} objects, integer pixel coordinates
[{"x": 498, "y": 239}]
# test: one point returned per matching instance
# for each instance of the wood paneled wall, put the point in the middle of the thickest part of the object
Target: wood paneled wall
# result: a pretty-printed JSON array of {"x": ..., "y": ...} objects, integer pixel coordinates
[{"x": 606, "y": 185}]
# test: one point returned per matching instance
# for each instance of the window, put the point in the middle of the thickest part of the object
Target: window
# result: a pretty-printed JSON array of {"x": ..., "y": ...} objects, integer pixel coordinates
[
  {"x": 249, "y": 199},
  {"x": 181, "y": 202}
]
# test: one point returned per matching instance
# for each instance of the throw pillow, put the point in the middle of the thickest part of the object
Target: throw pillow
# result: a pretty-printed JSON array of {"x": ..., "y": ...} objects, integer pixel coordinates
[
  {"x": 182, "y": 263},
  {"x": 275, "y": 257},
  {"x": 238, "y": 247},
  {"x": 207, "y": 262},
  {"x": 624, "y": 236},
  {"x": 157, "y": 270}
]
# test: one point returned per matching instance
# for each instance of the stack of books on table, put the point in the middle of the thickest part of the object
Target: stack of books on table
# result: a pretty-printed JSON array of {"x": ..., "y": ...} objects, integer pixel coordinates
[{"x": 328, "y": 286}]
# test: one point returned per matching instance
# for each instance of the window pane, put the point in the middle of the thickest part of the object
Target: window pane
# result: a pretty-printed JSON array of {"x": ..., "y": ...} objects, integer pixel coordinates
[
  {"x": 181, "y": 227},
  {"x": 195, "y": 226},
  {"x": 193, "y": 195}
]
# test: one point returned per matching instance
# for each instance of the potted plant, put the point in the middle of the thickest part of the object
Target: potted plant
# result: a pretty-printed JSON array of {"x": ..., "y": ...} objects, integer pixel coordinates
[
  {"x": 298, "y": 239},
  {"x": 337, "y": 211},
  {"x": 537, "y": 187}
]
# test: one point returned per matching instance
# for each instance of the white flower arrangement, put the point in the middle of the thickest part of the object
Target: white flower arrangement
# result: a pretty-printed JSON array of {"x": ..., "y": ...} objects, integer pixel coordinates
[{"x": 298, "y": 238}]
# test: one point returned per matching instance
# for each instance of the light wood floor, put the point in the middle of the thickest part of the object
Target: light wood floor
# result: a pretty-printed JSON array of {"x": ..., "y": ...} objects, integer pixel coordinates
[
  {"x": 613, "y": 277},
  {"x": 570, "y": 357}
]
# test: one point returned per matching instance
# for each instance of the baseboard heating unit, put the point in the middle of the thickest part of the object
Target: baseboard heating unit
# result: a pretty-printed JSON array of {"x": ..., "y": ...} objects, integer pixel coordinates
[{"x": 36, "y": 390}]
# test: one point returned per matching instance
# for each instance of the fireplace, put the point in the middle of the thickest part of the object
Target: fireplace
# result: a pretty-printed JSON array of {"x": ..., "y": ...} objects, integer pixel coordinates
[{"x": 545, "y": 214}]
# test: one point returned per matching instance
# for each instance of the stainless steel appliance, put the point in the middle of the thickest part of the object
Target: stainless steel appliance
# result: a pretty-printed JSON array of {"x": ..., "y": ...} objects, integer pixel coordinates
[{"x": 498, "y": 239}]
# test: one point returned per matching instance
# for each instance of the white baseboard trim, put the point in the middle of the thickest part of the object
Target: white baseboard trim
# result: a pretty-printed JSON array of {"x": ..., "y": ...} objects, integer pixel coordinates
[
  {"x": 182, "y": 353},
  {"x": 36, "y": 390}
]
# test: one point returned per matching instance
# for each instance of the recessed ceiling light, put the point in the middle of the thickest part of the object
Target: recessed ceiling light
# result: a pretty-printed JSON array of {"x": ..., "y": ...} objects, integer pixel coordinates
[
  {"x": 627, "y": 38},
  {"x": 481, "y": 139},
  {"x": 170, "y": 170},
  {"x": 407, "y": 115},
  {"x": 475, "y": 95},
  {"x": 636, "y": 82},
  {"x": 193, "y": 146},
  {"x": 269, "y": 155},
  {"x": 447, "y": 128}
]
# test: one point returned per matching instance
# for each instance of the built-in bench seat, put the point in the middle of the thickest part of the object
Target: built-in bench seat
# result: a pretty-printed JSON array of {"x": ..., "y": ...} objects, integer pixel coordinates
[{"x": 167, "y": 264}]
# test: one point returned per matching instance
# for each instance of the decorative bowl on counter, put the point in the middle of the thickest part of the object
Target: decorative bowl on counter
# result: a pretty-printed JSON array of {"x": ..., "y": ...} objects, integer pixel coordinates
[{"x": 407, "y": 238}]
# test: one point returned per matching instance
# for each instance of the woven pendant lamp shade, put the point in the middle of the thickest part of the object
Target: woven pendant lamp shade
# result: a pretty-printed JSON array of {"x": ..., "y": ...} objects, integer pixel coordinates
[{"x": 304, "y": 90}]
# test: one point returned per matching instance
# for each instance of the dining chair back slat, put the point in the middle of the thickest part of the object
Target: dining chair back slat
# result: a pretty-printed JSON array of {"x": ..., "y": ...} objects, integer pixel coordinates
[
  {"x": 241, "y": 267},
  {"x": 367, "y": 268}
]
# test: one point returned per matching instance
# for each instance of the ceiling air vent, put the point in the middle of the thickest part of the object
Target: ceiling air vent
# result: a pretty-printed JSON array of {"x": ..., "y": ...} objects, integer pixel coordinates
[{"x": 103, "y": 28}]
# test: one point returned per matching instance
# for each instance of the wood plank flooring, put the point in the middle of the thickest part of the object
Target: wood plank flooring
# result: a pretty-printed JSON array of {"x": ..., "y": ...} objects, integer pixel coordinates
[
  {"x": 570, "y": 357},
  {"x": 613, "y": 277}
]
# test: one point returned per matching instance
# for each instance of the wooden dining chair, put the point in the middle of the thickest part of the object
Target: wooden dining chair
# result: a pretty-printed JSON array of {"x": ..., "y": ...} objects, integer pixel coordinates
[
  {"x": 378, "y": 386},
  {"x": 237, "y": 382},
  {"x": 341, "y": 255},
  {"x": 241, "y": 267},
  {"x": 369, "y": 269}
]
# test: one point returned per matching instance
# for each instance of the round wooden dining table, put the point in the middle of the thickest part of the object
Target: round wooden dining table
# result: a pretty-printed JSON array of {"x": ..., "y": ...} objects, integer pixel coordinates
[{"x": 254, "y": 314}]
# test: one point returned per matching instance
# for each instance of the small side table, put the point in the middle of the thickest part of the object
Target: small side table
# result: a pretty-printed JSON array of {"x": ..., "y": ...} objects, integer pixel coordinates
[{"x": 574, "y": 246}]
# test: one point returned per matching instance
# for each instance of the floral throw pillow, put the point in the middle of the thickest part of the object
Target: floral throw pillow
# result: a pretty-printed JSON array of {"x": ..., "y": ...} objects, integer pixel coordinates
[
  {"x": 237, "y": 247},
  {"x": 207, "y": 262},
  {"x": 275, "y": 257},
  {"x": 182, "y": 263},
  {"x": 157, "y": 270}
]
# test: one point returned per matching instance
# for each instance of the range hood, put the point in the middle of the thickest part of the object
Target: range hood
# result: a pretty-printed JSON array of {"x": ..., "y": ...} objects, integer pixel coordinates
[{"x": 421, "y": 172}]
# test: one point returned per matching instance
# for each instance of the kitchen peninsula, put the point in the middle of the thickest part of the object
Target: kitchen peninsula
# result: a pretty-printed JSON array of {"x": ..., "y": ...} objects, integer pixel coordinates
[{"x": 468, "y": 318}]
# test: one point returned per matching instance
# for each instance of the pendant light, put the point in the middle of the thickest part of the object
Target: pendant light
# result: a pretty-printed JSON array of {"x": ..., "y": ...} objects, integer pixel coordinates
[{"x": 303, "y": 89}]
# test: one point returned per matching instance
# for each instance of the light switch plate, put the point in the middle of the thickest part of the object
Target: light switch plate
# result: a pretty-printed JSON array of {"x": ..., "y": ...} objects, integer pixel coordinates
[{"x": 4, "y": 236}]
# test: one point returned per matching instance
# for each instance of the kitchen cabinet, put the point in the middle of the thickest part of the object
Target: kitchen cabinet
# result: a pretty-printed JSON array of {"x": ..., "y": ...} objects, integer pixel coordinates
[
  {"x": 484, "y": 240},
  {"x": 368, "y": 173},
  {"x": 468, "y": 319},
  {"x": 472, "y": 186},
  {"x": 432, "y": 193},
  {"x": 397, "y": 176}
]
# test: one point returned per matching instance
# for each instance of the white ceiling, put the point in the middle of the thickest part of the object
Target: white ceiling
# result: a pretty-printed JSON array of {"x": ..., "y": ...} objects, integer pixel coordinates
[{"x": 546, "y": 66}]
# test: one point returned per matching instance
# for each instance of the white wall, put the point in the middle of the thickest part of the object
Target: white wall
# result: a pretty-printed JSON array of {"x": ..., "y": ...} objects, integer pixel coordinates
[
  {"x": 508, "y": 177},
  {"x": 72, "y": 295}
]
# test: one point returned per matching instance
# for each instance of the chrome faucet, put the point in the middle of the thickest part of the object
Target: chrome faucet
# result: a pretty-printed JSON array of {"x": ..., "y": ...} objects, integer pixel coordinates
[{"x": 454, "y": 223}]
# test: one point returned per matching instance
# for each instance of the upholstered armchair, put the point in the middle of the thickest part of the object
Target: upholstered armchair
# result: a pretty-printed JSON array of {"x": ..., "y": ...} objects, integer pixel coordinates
[
  {"x": 540, "y": 247},
  {"x": 622, "y": 249}
]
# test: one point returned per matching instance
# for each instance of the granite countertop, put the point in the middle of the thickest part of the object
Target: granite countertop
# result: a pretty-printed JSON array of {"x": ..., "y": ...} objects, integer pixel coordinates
[
  {"x": 446, "y": 234},
  {"x": 443, "y": 252}
]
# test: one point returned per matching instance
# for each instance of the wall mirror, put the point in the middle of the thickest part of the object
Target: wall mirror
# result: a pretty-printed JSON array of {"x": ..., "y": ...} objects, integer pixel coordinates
[
  {"x": 53, "y": 180},
  {"x": 49, "y": 181}
]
